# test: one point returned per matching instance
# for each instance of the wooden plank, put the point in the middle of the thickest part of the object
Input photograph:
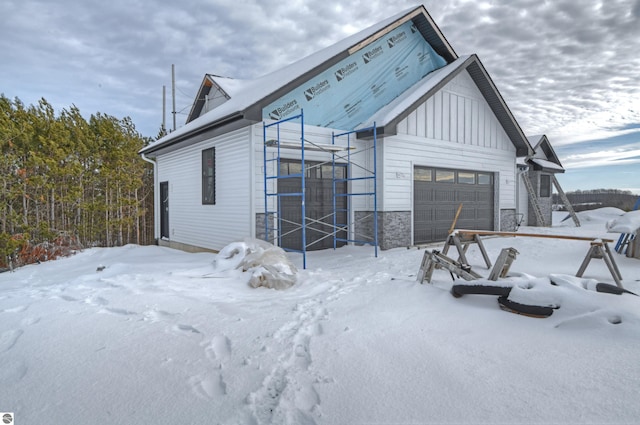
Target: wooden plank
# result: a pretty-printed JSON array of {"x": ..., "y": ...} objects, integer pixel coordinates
[
  {"x": 455, "y": 219},
  {"x": 531, "y": 235},
  {"x": 384, "y": 31}
]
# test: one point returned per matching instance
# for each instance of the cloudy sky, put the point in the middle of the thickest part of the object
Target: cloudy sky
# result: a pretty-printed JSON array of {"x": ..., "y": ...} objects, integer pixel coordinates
[{"x": 566, "y": 68}]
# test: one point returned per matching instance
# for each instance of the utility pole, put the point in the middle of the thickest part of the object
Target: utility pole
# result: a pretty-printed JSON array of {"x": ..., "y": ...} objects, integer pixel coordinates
[
  {"x": 173, "y": 93},
  {"x": 164, "y": 108}
]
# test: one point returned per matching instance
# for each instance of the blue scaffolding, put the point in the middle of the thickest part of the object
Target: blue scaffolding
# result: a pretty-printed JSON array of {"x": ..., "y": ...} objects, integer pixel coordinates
[
  {"x": 369, "y": 175},
  {"x": 273, "y": 224}
]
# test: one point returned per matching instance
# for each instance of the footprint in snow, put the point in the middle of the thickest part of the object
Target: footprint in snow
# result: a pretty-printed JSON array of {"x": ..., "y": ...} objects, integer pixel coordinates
[
  {"x": 17, "y": 309},
  {"x": 186, "y": 328},
  {"x": 157, "y": 315},
  {"x": 118, "y": 311},
  {"x": 208, "y": 386},
  {"x": 8, "y": 339},
  {"x": 219, "y": 349},
  {"x": 96, "y": 301},
  {"x": 28, "y": 321}
]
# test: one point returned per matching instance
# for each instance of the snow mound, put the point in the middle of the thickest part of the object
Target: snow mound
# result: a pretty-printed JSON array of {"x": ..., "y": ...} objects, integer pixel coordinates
[
  {"x": 627, "y": 223},
  {"x": 268, "y": 264},
  {"x": 600, "y": 214}
]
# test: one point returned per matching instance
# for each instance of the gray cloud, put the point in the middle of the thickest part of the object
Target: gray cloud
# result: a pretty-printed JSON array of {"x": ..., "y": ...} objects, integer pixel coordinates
[{"x": 569, "y": 69}]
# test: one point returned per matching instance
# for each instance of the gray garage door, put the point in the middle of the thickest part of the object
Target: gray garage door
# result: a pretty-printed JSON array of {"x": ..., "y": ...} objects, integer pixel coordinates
[
  {"x": 437, "y": 193},
  {"x": 318, "y": 204}
]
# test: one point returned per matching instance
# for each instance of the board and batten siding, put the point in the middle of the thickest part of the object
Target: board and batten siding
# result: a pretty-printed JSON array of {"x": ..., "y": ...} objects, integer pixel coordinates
[
  {"x": 455, "y": 128},
  {"x": 229, "y": 220}
]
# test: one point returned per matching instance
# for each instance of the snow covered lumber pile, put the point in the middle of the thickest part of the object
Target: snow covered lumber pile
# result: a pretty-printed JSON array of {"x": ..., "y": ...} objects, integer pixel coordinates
[
  {"x": 628, "y": 224},
  {"x": 267, "y": 263}
]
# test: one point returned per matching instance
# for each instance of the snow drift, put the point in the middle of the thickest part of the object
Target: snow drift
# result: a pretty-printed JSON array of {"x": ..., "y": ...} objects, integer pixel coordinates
[
  {"x": 161, "y": 336},
  {"x": 627, "y": 223}
]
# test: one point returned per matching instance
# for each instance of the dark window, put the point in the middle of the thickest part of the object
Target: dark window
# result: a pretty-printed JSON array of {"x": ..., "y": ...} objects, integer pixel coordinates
[
  {"x": 545, "y": 186},
  {"x": 209, "y": 176}
]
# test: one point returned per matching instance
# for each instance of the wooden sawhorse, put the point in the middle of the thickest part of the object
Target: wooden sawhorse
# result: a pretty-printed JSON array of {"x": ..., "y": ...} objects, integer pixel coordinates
[
  {"x": 461, "y": 239},
  {"x": 600, "y": 249}
]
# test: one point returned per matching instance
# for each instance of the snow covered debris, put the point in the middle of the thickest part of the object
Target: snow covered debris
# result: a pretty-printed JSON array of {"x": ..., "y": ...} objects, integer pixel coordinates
[
  {"x": 268, "y": 265},
  {"x": 627, "y": 223}
]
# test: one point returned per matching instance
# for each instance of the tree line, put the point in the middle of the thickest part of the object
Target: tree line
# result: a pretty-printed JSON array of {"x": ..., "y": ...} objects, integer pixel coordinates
[
  {"x": 582, "y": 200},
  {"x": 63, "y": 174}
]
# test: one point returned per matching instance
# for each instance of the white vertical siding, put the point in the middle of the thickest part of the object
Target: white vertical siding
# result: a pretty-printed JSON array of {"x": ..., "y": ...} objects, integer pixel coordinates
[
  {"x": 457, "y": 113},
  {"x": 209, "y": 226},
  {"x": 455, "y": 128}
]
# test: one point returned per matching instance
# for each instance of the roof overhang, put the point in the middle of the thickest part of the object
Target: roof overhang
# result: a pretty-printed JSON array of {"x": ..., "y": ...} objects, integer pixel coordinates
[
  {"x": 205, "y": 132},
  {"x": 545, "y": 166}
]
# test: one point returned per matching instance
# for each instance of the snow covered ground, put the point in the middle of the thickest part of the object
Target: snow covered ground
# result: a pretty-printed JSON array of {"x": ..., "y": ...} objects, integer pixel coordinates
[{"x": 161, "y": 337}]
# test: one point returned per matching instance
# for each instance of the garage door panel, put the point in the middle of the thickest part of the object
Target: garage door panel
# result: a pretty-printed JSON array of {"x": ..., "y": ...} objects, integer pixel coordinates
[
  {"x": 436, "y": 202},
  {"x": 445, "y": 195},
  {"x": 467, "y": 214},
  {"x": 466, "y": 196},
  {"x": 445, "y": 213}
]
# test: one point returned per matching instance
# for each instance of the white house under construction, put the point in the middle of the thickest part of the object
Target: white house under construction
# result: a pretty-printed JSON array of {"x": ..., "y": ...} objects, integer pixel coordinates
[{"x": 377, "y": 139}]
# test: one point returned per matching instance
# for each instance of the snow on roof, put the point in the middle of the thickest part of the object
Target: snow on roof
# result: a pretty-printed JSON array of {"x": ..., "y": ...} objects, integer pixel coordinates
[
  {"x": 250, "y": 92},
  {"x": 547, "y": 164},
  {"x": 231, "y": 86}
]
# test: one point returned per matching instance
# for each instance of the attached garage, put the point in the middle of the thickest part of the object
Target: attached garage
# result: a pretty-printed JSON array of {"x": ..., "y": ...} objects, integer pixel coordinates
[{"x": 438, "y": 192}]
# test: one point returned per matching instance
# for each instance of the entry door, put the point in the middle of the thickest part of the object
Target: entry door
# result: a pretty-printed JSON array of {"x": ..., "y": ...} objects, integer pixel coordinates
[{"x": 164, "y": 210}]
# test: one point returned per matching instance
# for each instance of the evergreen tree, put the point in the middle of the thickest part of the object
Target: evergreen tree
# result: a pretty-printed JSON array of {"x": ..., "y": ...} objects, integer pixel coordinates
[{"x": 64, "y": 174}]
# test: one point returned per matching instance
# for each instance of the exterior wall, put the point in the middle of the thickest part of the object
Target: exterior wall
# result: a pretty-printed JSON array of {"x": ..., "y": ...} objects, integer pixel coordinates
[
  {"x": 209, "y": 226},
  {"x": 455, "y": 128},
  {"x": 545, "y": 203}
]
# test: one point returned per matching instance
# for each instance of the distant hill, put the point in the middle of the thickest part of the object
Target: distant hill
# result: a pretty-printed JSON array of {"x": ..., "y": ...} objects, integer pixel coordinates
[{"x": 583, "y": 200}]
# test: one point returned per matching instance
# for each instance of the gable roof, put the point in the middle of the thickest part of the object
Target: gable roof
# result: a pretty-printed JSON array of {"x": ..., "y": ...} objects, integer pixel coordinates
[
  {"x": 244, "y": 106},
  {"x": 544, "y": 157},
  {"x": 224, "y": 88}
]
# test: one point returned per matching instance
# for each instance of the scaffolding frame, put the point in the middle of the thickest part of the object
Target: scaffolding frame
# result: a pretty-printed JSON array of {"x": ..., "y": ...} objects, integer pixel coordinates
[
  {"x": 333, "y": 150},
  {"x": 369, "y": 175}
]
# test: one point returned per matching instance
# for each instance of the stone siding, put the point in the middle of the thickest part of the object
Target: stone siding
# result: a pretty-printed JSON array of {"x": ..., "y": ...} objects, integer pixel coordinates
[{"x": 394, "y": 228}]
